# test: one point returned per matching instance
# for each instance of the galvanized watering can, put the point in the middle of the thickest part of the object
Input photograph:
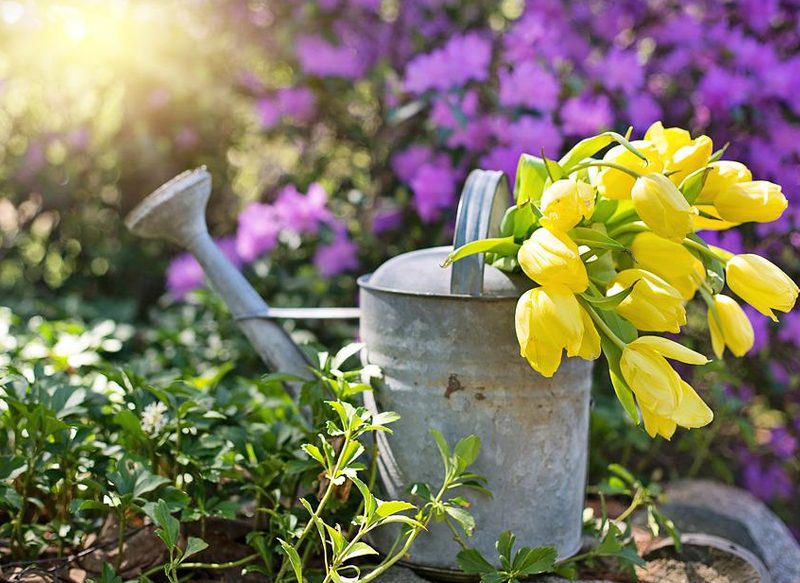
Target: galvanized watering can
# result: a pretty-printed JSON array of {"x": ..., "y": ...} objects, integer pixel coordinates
[{"x": 446, "y": 343}]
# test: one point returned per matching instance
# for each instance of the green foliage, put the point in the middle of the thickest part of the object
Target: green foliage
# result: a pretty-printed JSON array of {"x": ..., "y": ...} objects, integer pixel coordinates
[{"x": 513, "y": 566}]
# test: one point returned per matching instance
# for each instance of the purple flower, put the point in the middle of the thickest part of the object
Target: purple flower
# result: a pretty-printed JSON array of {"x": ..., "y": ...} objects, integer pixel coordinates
[
  {"x": 406, "y": 162},
  {"x": 722, "y": 90},
  {"x": 462, "y": 59},
  {"x": 643, "y": 110},
  {"x": 586, "y": 114},
  {"x": 529, "y": 85},
  {"x": 297, "y": 102},
  {"x": 730, "y": 240},
  {"x": 758, "y": 14},
  {"x": 185, "y": 274},
  {"x": 503, "y": 158},
  {"x": 337, "y": 257},
  {"x": 434, "y": 190},
  {"x": 790, "y": 328},
  {"x": 269, "y": 113},
  {"x": 767, "y": 483},
  {"x": 782, "y": 443},
  {"x": 761, "y": 326},
  {"x": 387, "y": 220},
  {"x": 319, "y": 57},
  {"x": 533, "y": 134},
  {"x": 620, "y": 70},
  {"x": 257, "y": 234},
  {"x": 302, "y": 214}
]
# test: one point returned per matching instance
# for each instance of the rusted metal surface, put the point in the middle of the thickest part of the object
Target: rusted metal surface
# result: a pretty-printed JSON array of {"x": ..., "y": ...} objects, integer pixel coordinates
[{"x": 453, "y": 364}]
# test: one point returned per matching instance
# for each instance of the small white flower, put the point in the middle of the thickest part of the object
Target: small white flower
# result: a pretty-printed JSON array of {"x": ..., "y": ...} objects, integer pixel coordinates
[{"x": 153, "y": 419}]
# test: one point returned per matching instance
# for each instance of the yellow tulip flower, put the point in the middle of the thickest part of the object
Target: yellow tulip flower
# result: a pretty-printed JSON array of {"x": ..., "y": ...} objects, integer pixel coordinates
[
  {"x": 691, "y": 412},
  {"x": 656, "y": 424},
  {"x": 736, "y": 332},
  {"x": 548, "y": 320},
  {"x": 651, "y": 378},
  {"x": 549, "y": 257},
  {"x": 662, "y": 207},
  {"x": 689, "y": 158},
  {"x": 759, "y": 201},
  {"x": 667, "y": 140},
  {"x": 653, "y": 304},
  {"x": 681, "y": 154},
  {"x": 617, "y": 184},
  {"x": 722, "y": 175},
  {"x": 761, "y": 284},
  {"x": 565, "y": 202},
  {"x": 669, "y": 260},
  {"x": 590, "y": 343}
]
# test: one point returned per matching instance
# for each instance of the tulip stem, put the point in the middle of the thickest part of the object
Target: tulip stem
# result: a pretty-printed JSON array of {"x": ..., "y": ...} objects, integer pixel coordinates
[
  {"x": 635, "y": 227},
  {"x": 604, "y": 163},
  {"x": 601, "y": 324},
  {"x": 704, "y": 250}
]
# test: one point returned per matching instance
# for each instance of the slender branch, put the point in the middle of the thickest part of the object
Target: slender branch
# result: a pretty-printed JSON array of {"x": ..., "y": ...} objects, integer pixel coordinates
[
  {"x": 704, "y": 250},
  {"x": 206, "y": 566},
  {"x": 603, "y": 326},
  {"x": 635, "y": 227},
  {"x": 322, "y": 503}
]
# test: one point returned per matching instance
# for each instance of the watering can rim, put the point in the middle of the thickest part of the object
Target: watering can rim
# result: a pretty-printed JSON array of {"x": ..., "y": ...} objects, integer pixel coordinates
[{"x": 498, "y": 285}]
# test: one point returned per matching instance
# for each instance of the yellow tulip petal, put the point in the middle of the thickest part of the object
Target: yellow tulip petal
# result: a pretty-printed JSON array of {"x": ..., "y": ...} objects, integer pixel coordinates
[
  {"x": 590, "y": 343},
  {"x": 671, "y": 349},
  {"x": 761, "y": 283},
  {"x": 656, "y": 424},
  {"x": 737, "y": 331},
  {"x": 652, "y": 379},
  {"x": 692, "y": 412},
  {"x": 662, "y": 207},
  {"x": 717, "y": 339}
]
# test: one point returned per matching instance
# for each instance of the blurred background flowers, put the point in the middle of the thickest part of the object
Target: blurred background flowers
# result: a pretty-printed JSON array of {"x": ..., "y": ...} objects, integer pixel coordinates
[{"x": 339, "y": 133}]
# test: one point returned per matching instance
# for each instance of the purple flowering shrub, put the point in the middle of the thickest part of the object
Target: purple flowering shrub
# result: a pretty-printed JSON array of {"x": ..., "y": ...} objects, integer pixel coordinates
[{"x": 459, "y": 89}]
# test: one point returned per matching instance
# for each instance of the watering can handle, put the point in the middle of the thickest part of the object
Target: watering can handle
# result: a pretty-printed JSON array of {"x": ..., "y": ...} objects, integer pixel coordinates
[{"x": 483, "y": 203}]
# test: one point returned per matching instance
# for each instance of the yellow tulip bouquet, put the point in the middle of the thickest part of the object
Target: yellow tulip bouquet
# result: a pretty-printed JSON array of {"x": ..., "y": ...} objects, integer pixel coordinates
[{"x": 611, "y": 243}]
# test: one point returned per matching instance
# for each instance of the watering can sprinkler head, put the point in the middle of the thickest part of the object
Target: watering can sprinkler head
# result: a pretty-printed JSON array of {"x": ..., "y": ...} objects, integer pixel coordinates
[{"x": 175, "y": 211}]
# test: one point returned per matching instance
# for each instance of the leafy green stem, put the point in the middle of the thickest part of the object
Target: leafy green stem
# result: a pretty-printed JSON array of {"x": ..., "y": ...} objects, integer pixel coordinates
[
  {"x": 705, "y": 251},
  {"x": 603, "y": 326},
  {"x": 332, "y": 475},
  {"x": 603, "y": 163}
]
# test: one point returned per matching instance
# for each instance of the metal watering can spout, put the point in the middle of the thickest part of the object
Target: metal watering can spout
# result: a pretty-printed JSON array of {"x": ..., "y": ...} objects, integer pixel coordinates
[{"x": 176, "y": 212}]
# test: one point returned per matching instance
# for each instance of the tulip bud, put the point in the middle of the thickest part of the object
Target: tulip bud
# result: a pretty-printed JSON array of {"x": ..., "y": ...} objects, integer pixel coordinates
[
  {"x": 565, "y": 202},
  {"x": 758, "y": 201},
  {"x": 761, "y": 284},
  {"x": 651, "y": 378},
  {"x": 722, "y": 175},
  {"x": 689, "y": 158},
  {"x": 616, "y": 184},
  {"x": 662, "y": 207},
  {"x": 553, "y": 258},
  {"x": 669, "y": 260},
  {"x": 691, "y": 412},
  {"x": 667, "y": 140},
  {"x": 548, "y": 320},
  {"x": 653, "y": 304},
  {"x": 736, "y": 332},
  {"x": 680, "y": 153}
]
